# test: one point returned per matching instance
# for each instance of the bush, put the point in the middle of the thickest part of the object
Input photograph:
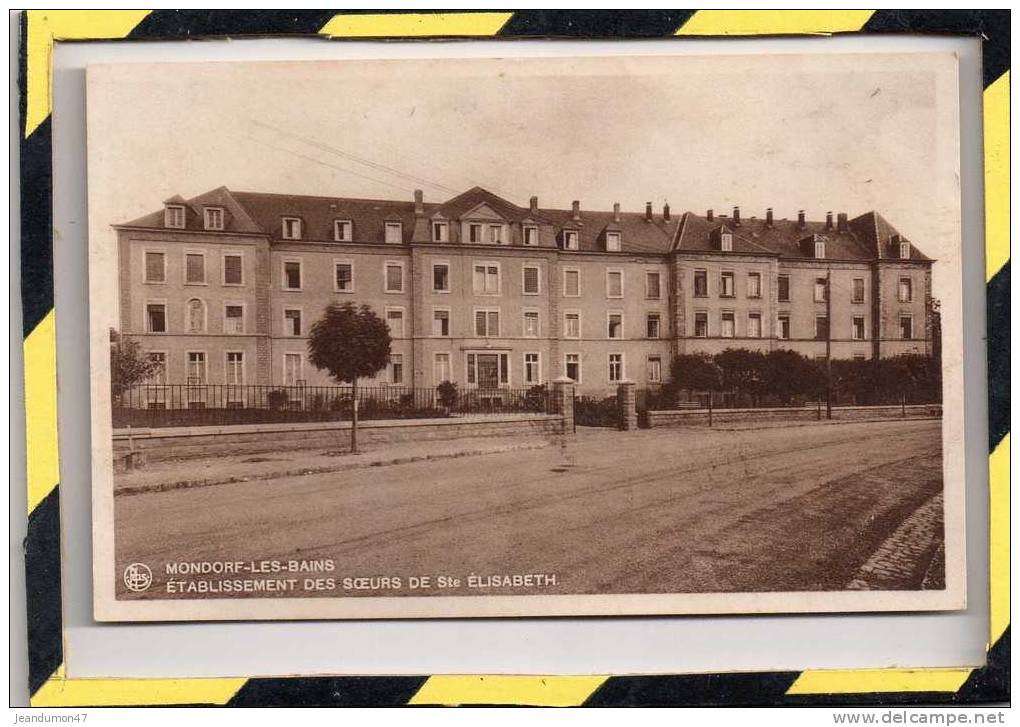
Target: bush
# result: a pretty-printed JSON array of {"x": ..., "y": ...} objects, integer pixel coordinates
[
  {"x": 278, "y": 399},
  {"x": 590, "y": 411},
  {"x": 537, "y": 398},
  {"x": 448, "y": 394}
]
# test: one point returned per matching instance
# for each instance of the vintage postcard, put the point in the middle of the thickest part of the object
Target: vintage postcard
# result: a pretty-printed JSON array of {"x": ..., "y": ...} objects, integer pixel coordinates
[{"x": 628, "y": 334}]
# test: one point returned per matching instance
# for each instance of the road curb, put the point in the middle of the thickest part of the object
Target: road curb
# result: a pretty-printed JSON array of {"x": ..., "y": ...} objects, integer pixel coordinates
[{"x": 212, "y": 481}]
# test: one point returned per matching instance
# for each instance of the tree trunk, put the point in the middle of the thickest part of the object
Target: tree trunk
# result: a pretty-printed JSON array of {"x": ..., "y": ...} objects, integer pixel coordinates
[{"x": 354, "y": 416}]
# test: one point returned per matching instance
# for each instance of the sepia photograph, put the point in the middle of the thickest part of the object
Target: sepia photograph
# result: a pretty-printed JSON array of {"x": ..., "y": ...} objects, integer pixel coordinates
[{"x": 526, "y": 336}]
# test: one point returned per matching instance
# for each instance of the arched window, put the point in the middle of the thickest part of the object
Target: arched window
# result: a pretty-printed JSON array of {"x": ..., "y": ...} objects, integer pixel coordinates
[{"x": 196, "y": 316}]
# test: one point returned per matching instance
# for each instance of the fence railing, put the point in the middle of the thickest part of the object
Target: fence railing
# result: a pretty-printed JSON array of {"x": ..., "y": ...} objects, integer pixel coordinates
[
  {"x": 167, "y": 405},
  {"x": 664, "y": 398}
]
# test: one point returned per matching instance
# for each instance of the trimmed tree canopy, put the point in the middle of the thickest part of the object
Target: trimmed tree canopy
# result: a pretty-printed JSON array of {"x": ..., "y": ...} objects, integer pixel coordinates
[{"x": 349, "y": 342}]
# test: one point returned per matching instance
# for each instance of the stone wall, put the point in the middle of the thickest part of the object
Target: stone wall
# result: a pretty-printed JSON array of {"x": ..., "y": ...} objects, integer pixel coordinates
[
  {"x": 183, "y": 442},
  {"x": 699, "y": 417}
]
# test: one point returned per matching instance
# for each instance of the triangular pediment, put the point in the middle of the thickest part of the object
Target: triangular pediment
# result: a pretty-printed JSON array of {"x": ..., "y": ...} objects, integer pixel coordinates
[{"x": 483, "y": 212}]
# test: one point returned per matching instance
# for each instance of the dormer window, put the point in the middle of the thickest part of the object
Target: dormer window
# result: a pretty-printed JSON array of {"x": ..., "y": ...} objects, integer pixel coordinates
[
  {"x": 440, "y": 232},
  {"x": 214, "y": 218},
  {"x": 570, "y": 240},
  {"x": 474, "y": 232},
  {"x": 291, "y": 228},
  {"x": 613, "y": 241},
  {"x": 904, "y": 251},
  {"x": 343, "y": 230},
  {"x": 495, "y": 234},
  {"x": 726, "y": 242},
  {"x": 530, "y": 235},
  {"x": 173, "y": 216},
  {"x": 819, "y": 249},
  {"x": 394, "y": 233}
]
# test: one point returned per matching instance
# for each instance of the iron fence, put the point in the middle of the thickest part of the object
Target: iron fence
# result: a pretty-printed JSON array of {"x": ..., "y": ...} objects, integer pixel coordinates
[
  {"x": 661, "y": 398},
  {"x": 168, "y": 405}
]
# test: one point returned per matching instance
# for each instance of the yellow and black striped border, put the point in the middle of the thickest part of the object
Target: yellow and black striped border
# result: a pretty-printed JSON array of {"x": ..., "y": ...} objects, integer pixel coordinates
[{"x": 49, "y": 686}]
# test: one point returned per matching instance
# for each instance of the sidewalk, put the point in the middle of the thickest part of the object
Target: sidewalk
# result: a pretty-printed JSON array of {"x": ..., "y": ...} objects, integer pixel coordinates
[{"x": 170, "y": 475}]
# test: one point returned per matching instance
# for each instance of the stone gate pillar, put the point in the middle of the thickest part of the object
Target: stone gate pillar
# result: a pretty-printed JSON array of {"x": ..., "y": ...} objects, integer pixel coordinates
[
  {"x": 626, "y": 403},
  {"x": 563, "y": 402}
]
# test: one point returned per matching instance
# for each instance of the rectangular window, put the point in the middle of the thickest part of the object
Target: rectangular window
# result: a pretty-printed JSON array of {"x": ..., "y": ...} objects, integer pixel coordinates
[
  {"x": 819, "y": 250},
  {"x": 440, "y": 322},
  {"x": 487, "y": 323},
  {"x": 235, "y": 367},
  {"x": 532, "y": 369},
  {"x": 394, "y": 278},
  {"x": 213, "y": 218},
  {"x": 571, "y": 325},
  {"x": 572, "y": 367},
  {"x": 613, "y": 241},
  {"x": 754, "y": 285},
  {"x": 615, "y": 367},
  {"x": 495, "y": 234},
  {"x": 727, "y": 325},
  {"x": 530, "y": 235},
  {"x": 700, "y": 283},
  {"x": 396, "y": 368},
  {"x": 531, "y": 280},
  {"x": 394, "y": 233},
  {"x": 906, "y": 290},
  {"x": 440, "y": 232},
  {"x": 784, "y": 288},
  {"x": 158, "y": 375},
  {"x": 474, "y": 233},
  {"x": 343, "y": 230},
  {"x": 174, "y": 216},
  {"x": 441, "y": 368},
  {"x": 291, "y": 228},
  {"x": 571, "y": 283},
  {"x": 858, "y": 328},
  {"x": 486, "y": 279},
  {"x": 292, "y": 363},
  {"x": 531, "y": 323},
  {"x": 701, "y": 324},
  {"x": 904, "y": 250},
  {"x": 488, "y": 370},
  {"x": 653, "y": 286},
  {"x": 614, "y": 284},
  {"x": 292, "y": 322},
  {"x": 653, "y": 325},
  {"x": 754, "y": 325},
  {"x": 726, "y": 242},
  {"x": 155, "y": 317},
  {"x": 196, "y": 367},
  {"x": 858, "y": 295},
  {"x": 233, "y": 319},
  {"x": 820, "y": 286},
  {"x": 292, "y": 275},
  {"x": 440, "y": 278},
  {"x": 784, "y": 326},
  {"x": 343, "y": 277},
  {"x": 194, "y": 267},
  {"x": 615, "y": 325},
  {"x": 821, "y": 328},
  {"x": 726, "y": 286},
  {"x": 155, "y": 267},
  {"x": 233, "y": 269},
  {"x": 653, "y": 370},
  {"x": 395, "y": 320},
  {"x": 906, "y": 327},
  {"x": 570, "y": 240}
]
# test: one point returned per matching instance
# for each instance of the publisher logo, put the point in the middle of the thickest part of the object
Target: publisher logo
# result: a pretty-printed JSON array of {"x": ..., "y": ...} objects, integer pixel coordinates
[{"x": 137, "y": 577}]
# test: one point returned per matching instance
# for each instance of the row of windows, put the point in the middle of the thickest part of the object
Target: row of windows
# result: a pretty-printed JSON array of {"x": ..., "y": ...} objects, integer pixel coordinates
[
  {"x": 196, "y": 318},
  {"x": 194, "y": 267},
  {"x": 728, "y": 288},
  {"x": 728, "y": 326}
]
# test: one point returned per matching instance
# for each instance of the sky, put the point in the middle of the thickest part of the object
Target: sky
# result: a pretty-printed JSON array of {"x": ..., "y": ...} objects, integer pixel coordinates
[{"x": 840, "y": 132}]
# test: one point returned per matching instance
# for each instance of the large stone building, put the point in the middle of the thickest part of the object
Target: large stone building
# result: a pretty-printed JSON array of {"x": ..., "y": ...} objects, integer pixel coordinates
[{"x": 224, "y": 287}]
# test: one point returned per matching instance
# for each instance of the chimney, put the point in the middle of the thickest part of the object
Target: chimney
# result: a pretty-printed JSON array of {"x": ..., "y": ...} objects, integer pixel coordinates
[
  {"x": 841, "y": 223},
  {"x": 534, "y": 205},
  {"x": 616, "y": 211},
  {"x": 665, "y": 212},
  {"x": 419, "y": 204},
  {"x": 800, "y": 219},
  {"x": 710, "y": 215},
  {"x": 828, "y": 220},
  {"x": 648, "y": 211},
  {"x": 736, "y": 217},
  {"x": 575, "y": 207},
  {"x": 768, "y": 217}
]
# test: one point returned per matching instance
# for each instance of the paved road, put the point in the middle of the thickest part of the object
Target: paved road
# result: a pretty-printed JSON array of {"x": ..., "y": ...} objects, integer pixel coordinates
[{"x": 676, "y": 510}]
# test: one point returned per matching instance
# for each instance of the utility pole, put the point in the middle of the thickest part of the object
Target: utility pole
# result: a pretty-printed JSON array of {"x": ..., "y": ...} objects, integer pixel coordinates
[{"x": 828, "y": 344}]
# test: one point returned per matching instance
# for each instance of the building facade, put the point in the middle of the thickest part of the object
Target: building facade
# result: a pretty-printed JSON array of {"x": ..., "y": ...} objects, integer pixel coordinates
[{"x": 224, "y": 287}]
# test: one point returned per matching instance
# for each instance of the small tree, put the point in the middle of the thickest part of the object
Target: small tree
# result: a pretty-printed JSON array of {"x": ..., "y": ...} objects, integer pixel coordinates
[
  {"x": 129, "y": 366},
  {"x": 786, "y": 374},
  {"x": 695, "y": 371},
  {"x": 742, "y": 371},
  {"x": 349, "y": 343}
]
